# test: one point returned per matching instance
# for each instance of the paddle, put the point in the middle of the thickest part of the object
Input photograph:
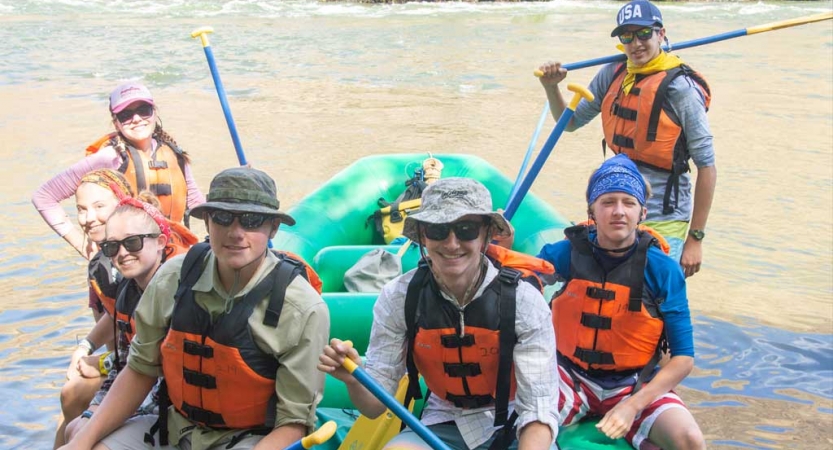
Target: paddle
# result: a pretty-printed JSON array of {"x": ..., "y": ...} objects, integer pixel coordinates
[
  {"x": 703, "y": 41},
  {"x": 529, "y": 150},
  {"x": 515, "y": 200},
  {"x": 202, "y": 33},
  {"x": 317, "y": 437},
  {"x": 394, "y": 406}
]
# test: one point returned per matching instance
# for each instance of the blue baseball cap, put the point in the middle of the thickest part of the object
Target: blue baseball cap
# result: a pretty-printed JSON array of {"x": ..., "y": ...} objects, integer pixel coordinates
[{"x": 638, "y": 12}]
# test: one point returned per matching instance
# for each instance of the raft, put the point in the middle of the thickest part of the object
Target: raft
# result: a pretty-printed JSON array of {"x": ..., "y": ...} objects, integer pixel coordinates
[{"x": 333, "y": 232}]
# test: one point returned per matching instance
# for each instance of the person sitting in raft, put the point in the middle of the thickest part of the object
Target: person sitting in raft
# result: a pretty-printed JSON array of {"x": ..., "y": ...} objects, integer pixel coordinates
[
  {"x": 452, "y": 300},
  {"x": 233, "y": 297},
  {"x": 622, "y": 301},
  {"x": 96, "y": 198},
  {"x": 140, "y": 149},
  {"x": 138, "y": 240}
]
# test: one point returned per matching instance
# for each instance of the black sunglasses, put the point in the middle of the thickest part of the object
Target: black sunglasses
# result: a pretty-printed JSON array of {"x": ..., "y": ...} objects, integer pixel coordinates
[
  {"x": 249, "y": 221},
  {"x": 643, "y": 34},
  {"x": 126, "y": 115},
  {"x": 133, "y": 243},
  {"x": 465, "y": 230}
]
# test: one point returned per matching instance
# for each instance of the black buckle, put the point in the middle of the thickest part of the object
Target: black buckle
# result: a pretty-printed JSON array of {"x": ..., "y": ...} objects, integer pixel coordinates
[
  {"x": 600, "y": 294},
  {"x": 195, "y": 348},
  {"x": 155, "y": 165},
  {"x": 124, "y": 327},
  {"x": 470, "y": 401},
  {"x": 593, "y": 357},
  {"x": 462, "y": 370},
  {"x": 595, "y": 321},
  {"x": 457, "y": 341},
  {"x": 203, "y": 415},
  {"x": 199, "y": 379}
]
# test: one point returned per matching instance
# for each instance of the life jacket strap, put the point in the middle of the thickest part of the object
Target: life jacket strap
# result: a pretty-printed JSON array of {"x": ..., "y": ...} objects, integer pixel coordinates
[
  {"x": 595, "y": 321},
  {"x": 161, "y": 189},
  {"x": 197, "y": 349},
  {"x": 205, "y": 416},
  {"x": 470, "y": 401},
  {"x": 124, "y": 326},
  {"x": 457, "y": 341},
  {"x": 623, "y": 112},
  {"x": 600, "y": 294},
  {"x": 199, "y": 379},
  {"x": 593, "y": 356},
  {"x": 462, "y": 370},
  {"x": 623, "y": 141}
]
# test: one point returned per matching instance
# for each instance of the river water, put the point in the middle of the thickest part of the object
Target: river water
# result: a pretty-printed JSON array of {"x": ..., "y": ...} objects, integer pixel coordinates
[{"x": 313, "y": 86}]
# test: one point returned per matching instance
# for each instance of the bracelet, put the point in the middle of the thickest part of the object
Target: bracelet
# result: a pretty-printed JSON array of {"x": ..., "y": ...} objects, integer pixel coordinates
[
  {"x": 102, "y": 367},
  {"x": 87, "y": 345},
  {"x": 86, "y": 414}
]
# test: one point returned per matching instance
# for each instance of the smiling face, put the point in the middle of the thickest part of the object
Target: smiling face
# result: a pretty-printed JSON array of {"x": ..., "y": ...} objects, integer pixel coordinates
[
  {"x": 239, "y": 249},
  {"x": 454, "y": 260},
  {"x": 94, "y": 205},
  {"x": 142, "y": 264},
  {"x": 617, "y": 215},
  {"x": 641, "y": 52},
  {"x": 136, "y": 128}
]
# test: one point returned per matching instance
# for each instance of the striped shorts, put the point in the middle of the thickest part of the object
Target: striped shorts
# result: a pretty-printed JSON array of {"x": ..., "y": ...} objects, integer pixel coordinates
[{"x": 592, "y": 400}]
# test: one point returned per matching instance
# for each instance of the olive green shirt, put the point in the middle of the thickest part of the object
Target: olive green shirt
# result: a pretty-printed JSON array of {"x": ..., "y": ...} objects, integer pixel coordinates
[{"x": 302, "y": 332}]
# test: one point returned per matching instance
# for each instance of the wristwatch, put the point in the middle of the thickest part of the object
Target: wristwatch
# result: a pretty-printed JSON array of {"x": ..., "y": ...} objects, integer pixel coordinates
[{"x": 698, "y": 235}]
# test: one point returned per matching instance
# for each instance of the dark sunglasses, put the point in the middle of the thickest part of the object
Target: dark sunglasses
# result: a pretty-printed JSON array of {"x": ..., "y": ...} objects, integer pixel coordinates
[
  {"x": 133, "y": 243},
  {"x": 249, "y": 221},
  {"x": 126, "y": 115},
  {"x": 643, "y": 34},
  {"x": 465, "y": 230}
]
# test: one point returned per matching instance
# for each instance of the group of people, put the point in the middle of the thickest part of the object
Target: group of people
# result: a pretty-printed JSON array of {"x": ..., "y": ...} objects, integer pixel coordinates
[{"x": 225, "y": 343}]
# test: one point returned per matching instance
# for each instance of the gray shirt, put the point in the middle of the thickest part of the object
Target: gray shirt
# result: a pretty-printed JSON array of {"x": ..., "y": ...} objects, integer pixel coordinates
[{"x": 685, "y": 105}]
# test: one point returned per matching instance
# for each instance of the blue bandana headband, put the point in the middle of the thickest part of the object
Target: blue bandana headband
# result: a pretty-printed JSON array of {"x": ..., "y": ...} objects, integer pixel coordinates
[{"x": 617, "y": 174}]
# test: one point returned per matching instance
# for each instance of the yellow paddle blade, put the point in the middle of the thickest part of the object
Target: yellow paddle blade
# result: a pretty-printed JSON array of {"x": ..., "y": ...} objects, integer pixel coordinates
[{"x": 373, "y": 434}]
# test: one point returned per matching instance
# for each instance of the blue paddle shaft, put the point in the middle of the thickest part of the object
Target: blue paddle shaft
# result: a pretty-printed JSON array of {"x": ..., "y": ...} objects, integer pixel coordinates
[
  {"x": 221, "y": 92},
  {"x": 388, "y": 400},
  {"x": 544, "y": 113},
  {"x": 296, "y": 446},
  {"x": 516, "y": 199},
  {"x": 681, "y": 46}
]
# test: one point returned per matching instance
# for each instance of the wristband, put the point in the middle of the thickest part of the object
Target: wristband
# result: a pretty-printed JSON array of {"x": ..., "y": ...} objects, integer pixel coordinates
[
  {"x": 103, "y": 367},
  {"x": 87, "y": 345},
  {"x": 86, "y": 414}
]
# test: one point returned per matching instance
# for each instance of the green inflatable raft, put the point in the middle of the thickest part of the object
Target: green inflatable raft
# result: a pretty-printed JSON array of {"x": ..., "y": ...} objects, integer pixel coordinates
[{"x": 333, "y": 233}]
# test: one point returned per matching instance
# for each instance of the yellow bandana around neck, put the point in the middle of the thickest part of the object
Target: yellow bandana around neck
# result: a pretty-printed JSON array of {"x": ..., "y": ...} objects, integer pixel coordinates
[{"x": 662, "y": 62}]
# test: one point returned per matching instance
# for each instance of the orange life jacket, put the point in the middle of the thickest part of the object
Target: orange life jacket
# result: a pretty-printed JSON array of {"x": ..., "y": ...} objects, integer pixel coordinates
[
  {"x": 606, "y": 321},
  {"x": 637, "y": 125},
  {"x": 104, "y": 281},
  {"x": 530, "y": 267},
  {"x": 156, "y": 174},
  {"x": 470, "y": 367},
  {"x": 215, "y": 374}
]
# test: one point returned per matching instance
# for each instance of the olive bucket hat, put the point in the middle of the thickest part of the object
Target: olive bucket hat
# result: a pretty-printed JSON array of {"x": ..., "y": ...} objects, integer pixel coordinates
[
  {"x": 449, "y": 199},
  {"x": 243, "y": 189}
]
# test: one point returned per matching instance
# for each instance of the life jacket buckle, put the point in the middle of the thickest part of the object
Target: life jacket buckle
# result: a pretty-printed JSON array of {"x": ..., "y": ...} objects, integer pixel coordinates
[
  {"x": 457, "y": 341},
  {"x": 462, "y": 370}
]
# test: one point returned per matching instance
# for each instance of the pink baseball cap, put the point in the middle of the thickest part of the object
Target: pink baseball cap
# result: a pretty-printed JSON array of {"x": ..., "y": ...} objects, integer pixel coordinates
[{"x": 127, "y": 93}]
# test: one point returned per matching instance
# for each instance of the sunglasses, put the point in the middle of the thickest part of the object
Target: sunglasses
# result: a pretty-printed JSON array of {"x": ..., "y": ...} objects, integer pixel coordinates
[
  {"x": 144, "y": 111},
  {"x": 249, "y": 221},
  {"x": 643, "y": 34},
  {"x": 465, "y": 230},
  {"x": 133, "y": 243}
]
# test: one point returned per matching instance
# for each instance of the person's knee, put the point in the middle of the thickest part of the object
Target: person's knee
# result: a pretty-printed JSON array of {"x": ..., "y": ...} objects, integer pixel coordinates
[
  {"x": 69, "y": 397},
  {"x": 689, "y": 438},
  {"x": 73, "y": 428}
]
